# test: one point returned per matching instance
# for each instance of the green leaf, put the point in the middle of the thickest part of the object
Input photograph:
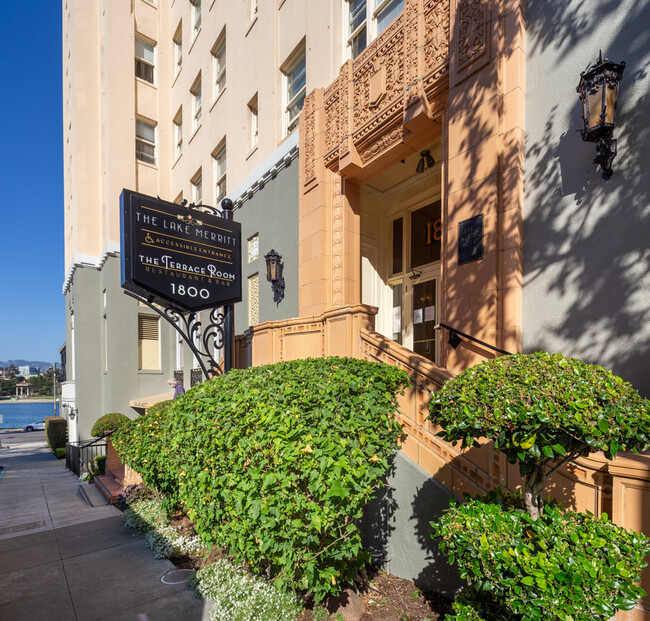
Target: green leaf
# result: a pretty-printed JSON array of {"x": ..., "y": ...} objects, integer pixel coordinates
[
  {"x": 548, "y": 451},
  {"x": 529, "y": 442},
  {"x": 559, "y": 449}
]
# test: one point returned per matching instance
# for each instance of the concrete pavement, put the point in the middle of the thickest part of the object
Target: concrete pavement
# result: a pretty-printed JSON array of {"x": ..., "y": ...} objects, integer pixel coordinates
[{"x": 65, "y": 556}]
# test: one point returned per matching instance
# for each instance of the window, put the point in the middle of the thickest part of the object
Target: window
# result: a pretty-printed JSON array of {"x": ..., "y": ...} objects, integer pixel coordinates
[
  {"x": 145, "y": 141},
  {"x": 197, "y": 188},
  {"x": 219, "y": 157},
  {"x": 357, "y": 30},
  {"x": 196, "y": 103},
  {"x": 179, "y": 352},
  {"x": 219, "y": 65},
  {"x": 361, "y": 30},
  {"x": 178, "y": 49},
  {"x": 253, "y": 122},
  {"x": 196, "y": 17},
  {"x": 386, "y": 11},
  {"x": 144, "y": 60},
  {"x": 253, "y": 247},
  {"x": 148, "y": 342},
  {"x": 296, "y": 88},
  {"x": 178, "y": 134}
]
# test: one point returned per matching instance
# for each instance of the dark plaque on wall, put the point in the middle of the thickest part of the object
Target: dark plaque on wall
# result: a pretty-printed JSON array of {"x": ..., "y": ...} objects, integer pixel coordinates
[
  {"x": 470, "y": 240},
  {"x": 177, "y": 255}
]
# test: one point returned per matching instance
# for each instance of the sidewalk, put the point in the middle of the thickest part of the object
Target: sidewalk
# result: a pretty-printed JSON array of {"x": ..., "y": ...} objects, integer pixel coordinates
[{"x": 63, "y": 557}]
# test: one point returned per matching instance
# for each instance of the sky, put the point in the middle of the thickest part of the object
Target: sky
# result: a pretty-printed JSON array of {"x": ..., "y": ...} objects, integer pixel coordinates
[{"x": 32, "y": 321}]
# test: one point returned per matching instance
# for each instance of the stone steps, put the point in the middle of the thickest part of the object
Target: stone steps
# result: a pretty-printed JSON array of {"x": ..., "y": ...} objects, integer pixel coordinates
[{"x": 109, "y": 488}]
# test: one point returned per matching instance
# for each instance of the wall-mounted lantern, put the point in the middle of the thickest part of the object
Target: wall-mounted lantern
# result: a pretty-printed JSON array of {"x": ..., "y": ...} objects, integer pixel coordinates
[
  {"x": 426, "y": 161},
  {"x": 274, "y": 269},
  {"x": 72, "y": 411},
  {"x": 598, "y": 89}
]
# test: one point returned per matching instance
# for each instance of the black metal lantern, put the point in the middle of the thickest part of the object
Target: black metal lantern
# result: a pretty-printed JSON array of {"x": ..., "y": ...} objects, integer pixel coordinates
[
  {"x": 274, "y": 268},
  {"x": 598, "y": 89}
]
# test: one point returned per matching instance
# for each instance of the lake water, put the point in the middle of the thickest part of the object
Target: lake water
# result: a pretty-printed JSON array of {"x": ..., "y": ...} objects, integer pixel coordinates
[{"x": 21, "y": 413}]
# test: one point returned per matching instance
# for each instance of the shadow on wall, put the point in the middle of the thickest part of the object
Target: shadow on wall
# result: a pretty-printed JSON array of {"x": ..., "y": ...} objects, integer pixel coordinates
[
  {"x": 397, "y": 530},
  {"x": 586, "y": 240}
]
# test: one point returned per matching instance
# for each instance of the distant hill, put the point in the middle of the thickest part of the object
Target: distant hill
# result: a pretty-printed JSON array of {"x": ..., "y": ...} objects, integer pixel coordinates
[{"x": 39, "y": 364}]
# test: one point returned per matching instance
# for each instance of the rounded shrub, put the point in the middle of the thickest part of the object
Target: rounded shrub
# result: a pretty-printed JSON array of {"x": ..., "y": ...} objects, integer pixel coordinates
[
  {"x": 542, "y": 410},
  {"x": 276, "y": 463},
  {"x": 108, "y": 423},
  {"x": 565, "y": 565}
]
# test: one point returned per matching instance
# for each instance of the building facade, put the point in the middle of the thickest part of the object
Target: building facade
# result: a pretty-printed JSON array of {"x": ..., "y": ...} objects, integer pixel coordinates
[
  {"x": 415, "y": 164},
  {"x": 186, "y": 100}
]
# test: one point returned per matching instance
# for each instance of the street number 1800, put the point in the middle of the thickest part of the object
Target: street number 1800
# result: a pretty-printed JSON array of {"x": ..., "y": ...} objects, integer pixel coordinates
[{"x": 192, "y": 292}]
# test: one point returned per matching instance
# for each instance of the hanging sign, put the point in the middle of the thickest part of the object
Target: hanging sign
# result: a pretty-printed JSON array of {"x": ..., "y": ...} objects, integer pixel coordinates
[{"x": 181, "y": 257}]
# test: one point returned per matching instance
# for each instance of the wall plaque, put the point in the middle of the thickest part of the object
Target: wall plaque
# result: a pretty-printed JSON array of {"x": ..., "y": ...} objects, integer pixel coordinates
[
  {"x": 470, "y": 240},
  {"x": 180, "y": 256}
]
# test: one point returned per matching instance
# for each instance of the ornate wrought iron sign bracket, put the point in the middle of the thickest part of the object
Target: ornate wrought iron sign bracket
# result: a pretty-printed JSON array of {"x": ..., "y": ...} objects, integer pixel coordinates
[{"x": 181, "y": 260}]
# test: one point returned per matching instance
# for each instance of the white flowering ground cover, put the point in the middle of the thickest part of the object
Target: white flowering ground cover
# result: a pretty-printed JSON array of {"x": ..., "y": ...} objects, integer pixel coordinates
[
  {"x": 237, "y": 596},
  {"x": 241, "y": 597}
]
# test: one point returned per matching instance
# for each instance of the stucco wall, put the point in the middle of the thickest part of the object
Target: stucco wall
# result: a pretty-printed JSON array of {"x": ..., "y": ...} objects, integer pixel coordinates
[
  {"x": 272, "y": 212},
  {"x": 587, "y": 240},
  {"x": 100, "y": 389},
  {"x": 397, "y": 529}
]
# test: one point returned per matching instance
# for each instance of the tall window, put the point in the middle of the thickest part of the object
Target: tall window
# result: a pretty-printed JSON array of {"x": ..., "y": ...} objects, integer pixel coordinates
[
  {"x": 219, "y": 157},
  {"x": 253, "y": 122},
  {"x": 148, "y": 342},
  {"x": 179, "y": 352},
  {"x": 178, "y": 49},
  {"x": 196, "y": 103},
  {"x": 178, "y": 133},
  {"x": 357, "y": 29},
  {"x": 196, "y": 17},
  {"x": 362, "y": 30},
  {"x": 145, "y": 141},
  {"x": 296, "y": 88},
  {"x": 219, "y": 65},
  {"x": 197, "y": 188},
  {"x": 144, "y": 60}
]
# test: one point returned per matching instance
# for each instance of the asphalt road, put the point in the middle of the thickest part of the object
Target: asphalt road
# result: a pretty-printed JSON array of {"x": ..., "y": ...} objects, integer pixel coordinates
[{"x": 13, "y": 437}]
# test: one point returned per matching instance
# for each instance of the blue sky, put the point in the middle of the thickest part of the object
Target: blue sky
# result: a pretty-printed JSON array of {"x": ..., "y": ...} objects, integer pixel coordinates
[{"x": 31, "y": 170}]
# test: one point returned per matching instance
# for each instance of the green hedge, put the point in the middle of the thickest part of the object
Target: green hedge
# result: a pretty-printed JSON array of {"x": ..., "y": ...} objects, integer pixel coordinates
[
  {"x": 56, "y": 432},
  {"x": 107, "y": 423},
  {"x": 564, "y": 565},
  {"x": 276, "y": 463}
]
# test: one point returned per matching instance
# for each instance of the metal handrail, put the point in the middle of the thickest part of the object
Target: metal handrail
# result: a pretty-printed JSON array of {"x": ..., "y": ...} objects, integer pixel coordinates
[{"x": 454, "y": 341}]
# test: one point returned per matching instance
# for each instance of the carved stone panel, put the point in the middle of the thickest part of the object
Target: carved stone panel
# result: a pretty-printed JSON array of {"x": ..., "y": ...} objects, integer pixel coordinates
[
  {"x": 473, "y": 31},
  {"x": 309, "y": 128},
  {"x": 436, "y": 37}
]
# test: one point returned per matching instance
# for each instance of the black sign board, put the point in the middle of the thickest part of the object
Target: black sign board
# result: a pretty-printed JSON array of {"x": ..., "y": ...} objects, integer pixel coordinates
[
  {"x": 182, "y": 257},
  {"x": 470, "y": 240}
]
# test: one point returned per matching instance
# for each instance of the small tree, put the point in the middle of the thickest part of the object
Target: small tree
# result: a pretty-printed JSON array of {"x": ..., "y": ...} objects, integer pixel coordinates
[{"x": 542, "y": 410}]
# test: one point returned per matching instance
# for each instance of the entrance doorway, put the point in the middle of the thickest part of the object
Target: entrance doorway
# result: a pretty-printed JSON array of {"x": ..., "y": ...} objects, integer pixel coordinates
[
  {"x": 401, "y": 245},
  {"x": 415, "y": 274}
]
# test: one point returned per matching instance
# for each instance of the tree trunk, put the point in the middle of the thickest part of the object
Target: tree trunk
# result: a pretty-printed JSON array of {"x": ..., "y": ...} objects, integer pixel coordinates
[{"x": 533, "y": 486}]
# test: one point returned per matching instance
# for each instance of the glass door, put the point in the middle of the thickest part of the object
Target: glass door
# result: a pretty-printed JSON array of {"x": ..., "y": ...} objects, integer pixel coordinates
[
  {"x": 424, "y": 318},
  {"x": 416, "y": 247}
]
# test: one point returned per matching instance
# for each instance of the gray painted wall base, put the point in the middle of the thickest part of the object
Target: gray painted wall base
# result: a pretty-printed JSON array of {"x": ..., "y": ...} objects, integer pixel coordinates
[{"x": 397, "y": 531}]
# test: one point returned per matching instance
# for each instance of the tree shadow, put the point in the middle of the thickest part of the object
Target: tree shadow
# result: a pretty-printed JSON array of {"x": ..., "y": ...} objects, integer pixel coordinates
[{"x": 586, "y": 250}]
